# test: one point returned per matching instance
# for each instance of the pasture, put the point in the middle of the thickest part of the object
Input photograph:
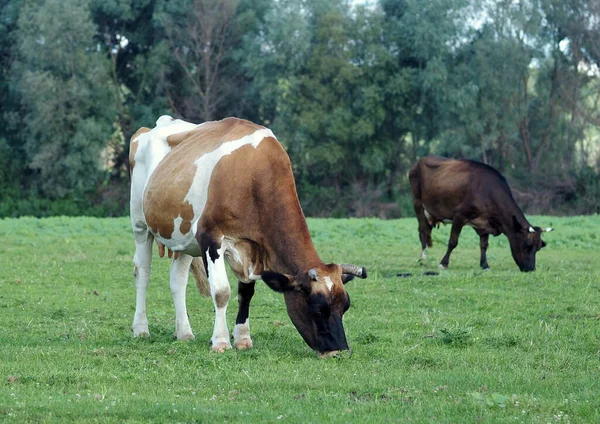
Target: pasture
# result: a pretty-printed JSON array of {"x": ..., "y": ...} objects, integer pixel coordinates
[{"x": 464, "y": 346}]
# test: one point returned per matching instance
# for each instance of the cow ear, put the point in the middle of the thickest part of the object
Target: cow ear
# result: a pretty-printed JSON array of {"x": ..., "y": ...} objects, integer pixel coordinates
[
  {"x": 279, "y": 282},
  {"x": 347, "y": 277},
  {"x": 517, "y": 227},
  {"x": 543, "y": 244}
]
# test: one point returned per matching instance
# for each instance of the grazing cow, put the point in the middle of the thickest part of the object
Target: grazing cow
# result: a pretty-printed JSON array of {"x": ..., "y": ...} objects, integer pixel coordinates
[
  {"x": 465, "y": 192},
  {"x": 221, "y": 192}
]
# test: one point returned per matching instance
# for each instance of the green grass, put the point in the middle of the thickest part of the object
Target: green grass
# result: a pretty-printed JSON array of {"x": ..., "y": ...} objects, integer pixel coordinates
[{"x": 464, "y": 346}]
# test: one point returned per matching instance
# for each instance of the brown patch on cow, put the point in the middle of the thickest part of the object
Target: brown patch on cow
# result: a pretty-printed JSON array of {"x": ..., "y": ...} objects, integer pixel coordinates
[
  {"x": 222, "y": 298},
  {"x": 133, "y": 146},
  {"x": 164, "y": 199}
]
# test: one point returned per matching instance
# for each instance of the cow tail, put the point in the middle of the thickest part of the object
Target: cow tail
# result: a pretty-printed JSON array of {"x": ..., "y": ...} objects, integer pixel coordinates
[
  {"x": 413, "y": 177},
  {"x": 199, "y": 273}
]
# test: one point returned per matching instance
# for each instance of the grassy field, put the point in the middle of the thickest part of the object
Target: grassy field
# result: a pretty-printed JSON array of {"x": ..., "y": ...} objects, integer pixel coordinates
[{"x": 463, "y": 346}]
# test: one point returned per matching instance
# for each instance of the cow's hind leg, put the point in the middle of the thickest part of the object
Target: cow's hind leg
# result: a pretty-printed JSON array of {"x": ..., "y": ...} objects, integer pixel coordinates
[
  {"x": 425, "y": 237},
  {"x": 241, "y": 332},
  {"x": 424, "y": 228},
  {"x": 220, "y": 291},
  {"x": 179, "y": 272},
  {"x": 141, "y": 273},
  {"x": 457, "y": 225}
]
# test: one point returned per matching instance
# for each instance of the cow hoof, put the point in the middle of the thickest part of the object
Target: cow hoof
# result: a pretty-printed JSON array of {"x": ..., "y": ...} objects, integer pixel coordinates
[
  {"x": 444, "y": 267},
  {"x": 140, "y": 331},
  {"x": 220, "y": 347},
  {"x": 243, "y": 344},
  {"x": 184, "y": 337}
]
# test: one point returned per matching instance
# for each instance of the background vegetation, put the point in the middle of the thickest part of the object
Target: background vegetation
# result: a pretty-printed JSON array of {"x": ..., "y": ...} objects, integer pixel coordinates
[
  {"x": 464, "y": 346},
  {"x": 355, "y": 91}
]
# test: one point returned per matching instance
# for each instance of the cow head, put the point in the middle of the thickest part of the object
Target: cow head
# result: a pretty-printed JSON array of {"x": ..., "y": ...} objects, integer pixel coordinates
[
  {"x": 525, "y": 243},
  {"x": 316, "y": 300}
]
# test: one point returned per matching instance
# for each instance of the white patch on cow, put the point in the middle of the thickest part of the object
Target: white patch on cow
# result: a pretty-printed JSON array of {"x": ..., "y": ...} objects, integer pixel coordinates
[
  {"x": 164, "y": 121},
  {"x": 328, "y": 282},
  {"x": 197, "y": 196},
  {"x": 251, "y": 274},
  {"x": 241, "y": 335},
  {"x": 427, "y": 215}
]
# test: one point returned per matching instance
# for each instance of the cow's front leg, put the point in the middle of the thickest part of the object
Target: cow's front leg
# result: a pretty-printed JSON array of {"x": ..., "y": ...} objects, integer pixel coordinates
[
  {"x": 457, "y": 225},
  {"x": 483, "y": 244},
  {"x": 180, "y": 268},
  {"x": 220, "y": 292},
  {"x": 241, "y": 332},
  {"x": 141, "y": 274}
]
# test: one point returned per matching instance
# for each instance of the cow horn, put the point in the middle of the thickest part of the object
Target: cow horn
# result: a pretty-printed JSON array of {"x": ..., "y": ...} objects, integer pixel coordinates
[
  {"x": 312, "y": 273},
  {"x": 354, "y": 270},
  {"x": 531, "y": 230},
  {"x": 547, "y": 230}
]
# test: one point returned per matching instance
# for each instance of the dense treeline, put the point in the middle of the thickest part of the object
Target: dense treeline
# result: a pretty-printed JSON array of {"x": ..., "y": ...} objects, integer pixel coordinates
[{"x": 356, "y": 93}]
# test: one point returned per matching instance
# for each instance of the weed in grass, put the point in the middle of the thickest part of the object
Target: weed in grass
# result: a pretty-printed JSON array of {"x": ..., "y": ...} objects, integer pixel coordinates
[{"x": 457, "y": 337}]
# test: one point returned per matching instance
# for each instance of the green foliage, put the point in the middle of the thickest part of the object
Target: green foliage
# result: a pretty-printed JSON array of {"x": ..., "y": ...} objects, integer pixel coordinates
[
  {"x": 521, "y": 346},
  {"x": 63, "y": 84},
  {"x": 355, "y": 93},
  {"x": 493, "y": 399}
]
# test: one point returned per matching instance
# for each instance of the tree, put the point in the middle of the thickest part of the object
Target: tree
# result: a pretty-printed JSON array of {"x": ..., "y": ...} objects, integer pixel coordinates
[
  {"x": 62, "y": 78},
  {"x": 198, "y": 35}
]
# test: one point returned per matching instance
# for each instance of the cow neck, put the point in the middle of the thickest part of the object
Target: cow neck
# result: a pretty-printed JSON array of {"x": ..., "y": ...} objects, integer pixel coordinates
[
  {"x": 510, "y": 209},
  {"x": 289, "y": 247}
]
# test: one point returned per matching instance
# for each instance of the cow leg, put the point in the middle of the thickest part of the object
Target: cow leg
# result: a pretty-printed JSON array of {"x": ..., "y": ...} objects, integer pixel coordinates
[
  {"x": 424, "y": 229},
  {"x": 179, "y": 271},
  {"x": 452, "y": 243},
  {"x": 141, "y": 274},
  {"x": 219, "y": 289},
  {"x": 483, "y": 244},
  {"x": 241, "y": 332}
]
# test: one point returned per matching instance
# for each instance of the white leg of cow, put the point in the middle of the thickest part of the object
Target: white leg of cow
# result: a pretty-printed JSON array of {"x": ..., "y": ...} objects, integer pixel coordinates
[
  {"x": 180, "y": 268},
  {"x": 423, "y": 254},
  {"x": 220, "y": 292},
  {"x": 141, "y": 273}
]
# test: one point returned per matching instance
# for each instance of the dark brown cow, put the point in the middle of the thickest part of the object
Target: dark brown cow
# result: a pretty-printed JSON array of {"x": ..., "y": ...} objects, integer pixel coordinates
[
  {"x": 465, "y": 192},
  {"x": 224, "y": 192}
]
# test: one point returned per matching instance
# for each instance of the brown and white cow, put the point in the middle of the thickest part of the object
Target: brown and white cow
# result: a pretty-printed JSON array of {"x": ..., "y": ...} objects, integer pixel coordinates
[
  {"x": 465, "y": 192},
  {"x": 221, "y": 192}
]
